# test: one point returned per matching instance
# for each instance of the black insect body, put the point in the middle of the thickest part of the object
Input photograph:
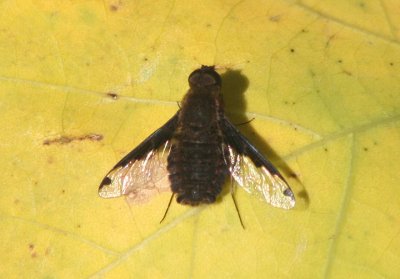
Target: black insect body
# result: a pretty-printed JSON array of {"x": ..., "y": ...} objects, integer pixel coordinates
[
  {"x": 196, "y": 165},
  {"x": 197, "y": 149}
]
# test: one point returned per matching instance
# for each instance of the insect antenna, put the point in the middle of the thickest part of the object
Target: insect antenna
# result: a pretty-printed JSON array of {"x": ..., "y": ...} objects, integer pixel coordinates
[{"x": 166, "y": 211}]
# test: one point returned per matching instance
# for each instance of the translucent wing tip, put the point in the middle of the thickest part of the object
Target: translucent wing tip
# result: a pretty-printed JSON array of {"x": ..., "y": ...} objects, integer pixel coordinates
[
  {"x": 282, "y": 196},
  {"x": 107, "y": 189}
]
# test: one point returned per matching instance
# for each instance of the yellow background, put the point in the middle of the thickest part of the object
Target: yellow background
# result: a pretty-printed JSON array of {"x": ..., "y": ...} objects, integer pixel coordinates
[{"x": 321, "y": 79}]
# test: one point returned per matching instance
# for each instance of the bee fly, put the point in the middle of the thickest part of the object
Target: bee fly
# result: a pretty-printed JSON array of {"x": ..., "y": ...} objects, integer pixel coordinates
[{"x": 197, "y": 149}]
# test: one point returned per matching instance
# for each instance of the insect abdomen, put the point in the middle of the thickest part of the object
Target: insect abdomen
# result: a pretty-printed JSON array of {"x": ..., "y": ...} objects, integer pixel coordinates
[
  {"x": 196, "y": 166},
  {"x": 197, "y": 170}
]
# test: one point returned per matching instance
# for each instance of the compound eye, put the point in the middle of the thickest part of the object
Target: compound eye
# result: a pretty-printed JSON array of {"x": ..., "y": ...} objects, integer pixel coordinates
[
  {"x": 205, "y": 76},
  {"x": 201, "y": 80}
]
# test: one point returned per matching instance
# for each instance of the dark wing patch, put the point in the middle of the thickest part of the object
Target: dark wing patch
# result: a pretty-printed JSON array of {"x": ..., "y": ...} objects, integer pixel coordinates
[
  {"x": 253, "y": 172},
  {"x": 139, "y": 179},
  {"x": 143, "y": 171}
]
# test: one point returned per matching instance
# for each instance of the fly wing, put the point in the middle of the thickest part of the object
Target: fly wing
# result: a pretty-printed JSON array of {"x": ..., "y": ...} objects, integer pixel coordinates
[
  {"x": 142, "y": 172},
  {"x": 253, "y": 172}
]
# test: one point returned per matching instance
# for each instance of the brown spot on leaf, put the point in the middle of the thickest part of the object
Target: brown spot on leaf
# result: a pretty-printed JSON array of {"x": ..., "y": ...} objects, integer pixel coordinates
[
  {"x": 112, "y": 95},
  {"x": 31, "y": 247},
  {"x": 289, "y": 102},
  {"x": 50, "y": 160},
  {"x": 115, "y": 6},
  {"x": 68, "y": 139}
]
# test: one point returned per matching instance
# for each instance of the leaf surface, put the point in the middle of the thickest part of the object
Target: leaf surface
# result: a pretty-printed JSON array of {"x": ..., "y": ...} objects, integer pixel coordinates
[{"x": 83, "y": 82}]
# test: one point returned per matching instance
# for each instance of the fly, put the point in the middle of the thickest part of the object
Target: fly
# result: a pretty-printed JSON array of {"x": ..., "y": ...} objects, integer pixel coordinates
[{"x": 197, "y": 149}]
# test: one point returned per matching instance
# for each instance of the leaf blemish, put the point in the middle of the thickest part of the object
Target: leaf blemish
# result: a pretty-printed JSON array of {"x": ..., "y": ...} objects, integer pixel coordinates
[
  {"x": 32, "y": 250},
  {"x": 50, "y": 160},
  {"x": 289, "y": 102},
  {"x": 113, "y": 8},
  {"x": 275, "y": 18},
  {"x": 112, "y": 95},
  {"x": 68, "y": 139}
]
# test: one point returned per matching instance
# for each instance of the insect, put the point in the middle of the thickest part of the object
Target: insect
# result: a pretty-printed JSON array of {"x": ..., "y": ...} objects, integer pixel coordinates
[{"x": 197, "y": 149}]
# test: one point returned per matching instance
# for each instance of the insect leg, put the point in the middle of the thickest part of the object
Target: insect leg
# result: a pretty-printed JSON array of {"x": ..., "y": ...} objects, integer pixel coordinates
[
  {"x": 244, "y": 123},
  {"x": 166, "y": 211},
  {"x": 235, "y": 203},
  {"x": 231, "y": 165}
]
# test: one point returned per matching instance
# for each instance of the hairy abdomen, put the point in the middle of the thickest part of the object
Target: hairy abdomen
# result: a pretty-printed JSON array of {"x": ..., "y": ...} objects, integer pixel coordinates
[{"x": 196, "y": 166}]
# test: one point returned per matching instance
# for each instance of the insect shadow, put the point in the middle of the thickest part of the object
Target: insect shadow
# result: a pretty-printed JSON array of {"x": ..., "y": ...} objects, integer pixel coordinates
[{"x": 233, "y": 90}]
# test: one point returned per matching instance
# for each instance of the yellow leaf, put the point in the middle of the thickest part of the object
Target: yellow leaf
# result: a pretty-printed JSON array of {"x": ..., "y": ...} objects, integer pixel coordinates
[{"x": 83, "y": 82}]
